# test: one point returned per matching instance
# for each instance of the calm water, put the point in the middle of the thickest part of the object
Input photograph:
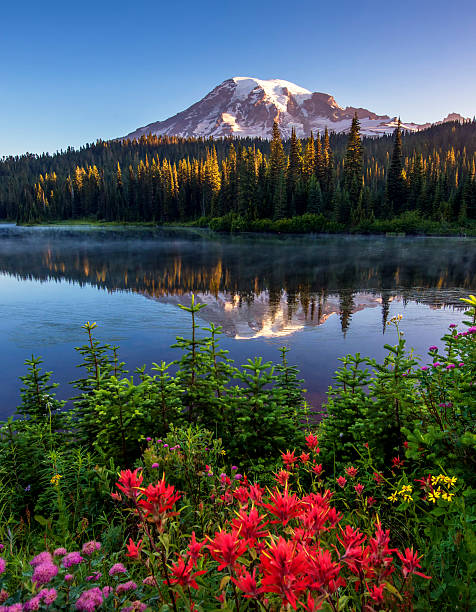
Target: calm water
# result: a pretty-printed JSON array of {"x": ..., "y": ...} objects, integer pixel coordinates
[{"x": 323, "y": 296}]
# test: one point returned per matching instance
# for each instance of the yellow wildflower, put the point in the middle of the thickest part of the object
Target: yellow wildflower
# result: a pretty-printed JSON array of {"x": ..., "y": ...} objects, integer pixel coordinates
[
  {"x": 55, "y": 480},
  {"x": 393, "y": 496},
  {"x": 451, "y": 481},
  {"x": 223, "y": 452},
  {"x": 431, "y": 497}
]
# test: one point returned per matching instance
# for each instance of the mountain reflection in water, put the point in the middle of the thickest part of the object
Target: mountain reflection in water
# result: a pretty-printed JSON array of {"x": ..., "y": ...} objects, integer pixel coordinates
[
  {"x": 254, "y": 286},
  {"x": 323, "y": 296}
]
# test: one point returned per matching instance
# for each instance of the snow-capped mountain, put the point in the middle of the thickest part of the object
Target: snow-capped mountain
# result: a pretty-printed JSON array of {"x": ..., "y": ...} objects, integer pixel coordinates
[{"x": 245, "y": 106}]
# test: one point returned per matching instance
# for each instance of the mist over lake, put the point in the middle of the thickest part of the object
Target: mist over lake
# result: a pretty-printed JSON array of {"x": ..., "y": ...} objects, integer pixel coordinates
[{"x": 322, "y": 296}]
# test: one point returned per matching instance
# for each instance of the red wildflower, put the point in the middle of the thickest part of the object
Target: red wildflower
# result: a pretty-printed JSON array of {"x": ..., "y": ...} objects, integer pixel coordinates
[
  {"x": 371, "y": 501},
  {"x": 376, "y": 593},
  {"x": 242, "y": 494},
  {"x": 226, "y": 548},
  {"x": 405, "y": 444},
  {"x": 359, "y": 488},
  {"x": 425, "y": 482},
  {"x": 411, "y": 562},
  {"x": 312, "y": 442},
  {"x": 160, "y": 499},
  {"x": 247, "y": 583},
  {"x": 397, "y": 462},
  {"x": 129, "y": 482},
  {"x": 378, "y": 478},
  {"x": 195, "y": 547},
  {"x": 282, "y": 477},
  {"x": 366, "y": 444},
  {"x": 322, "y": 570},
  {"x": 378, "y": 552},
  {"x": 256, "y": 492},
  {"x": 333, "y": 517},
  {"x": 311, "y": 604},
  {"x": 341, "y": 481},
  {"x": 315, "y": 518},
  {"x": 283, "y": 505},
  {"x": 318, "y": 499},
  {"x": 183, "y": 575},
  {"x": 133, "y": 550},
  {"x": 225, "y": 480},
  {"x": 317, "y": 469},
  {"x": 284, "y": 571},
  {"x": 304, "y": 457},
  {"x": 351, "y": 471},
  {"x": 350, "y": 537},
  {"x": 289, "y": 459},
  {"x": 249, "y": 526}
]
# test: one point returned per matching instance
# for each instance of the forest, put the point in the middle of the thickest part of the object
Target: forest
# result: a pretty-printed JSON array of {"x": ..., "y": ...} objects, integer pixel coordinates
[{"x": 424, "y": 181}]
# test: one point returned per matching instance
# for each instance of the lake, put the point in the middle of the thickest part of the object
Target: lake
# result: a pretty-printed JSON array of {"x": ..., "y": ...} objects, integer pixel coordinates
[{"x": 322, "y": 296}]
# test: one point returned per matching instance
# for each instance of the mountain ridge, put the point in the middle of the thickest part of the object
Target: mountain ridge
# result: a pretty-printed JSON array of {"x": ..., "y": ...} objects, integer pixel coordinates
[{"x": 248, "y": 107}]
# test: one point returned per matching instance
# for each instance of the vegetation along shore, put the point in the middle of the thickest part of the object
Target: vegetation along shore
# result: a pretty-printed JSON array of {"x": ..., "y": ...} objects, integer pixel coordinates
[{"x": 214, "y": 487}]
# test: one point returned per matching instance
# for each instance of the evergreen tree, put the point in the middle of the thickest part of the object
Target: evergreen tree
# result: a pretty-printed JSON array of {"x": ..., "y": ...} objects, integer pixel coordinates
[
  {"x": 277, "y": 175},
  {"x": 295, "y": 165},
  {"x": 309, "y": 159},
  {"x": 314, "y": 198},
  {"x": 38, "y": 399},
  {"x": 280, "y": 198},
  {"x": 396, "y": 196},
  {"x": 354, "y": 163}
]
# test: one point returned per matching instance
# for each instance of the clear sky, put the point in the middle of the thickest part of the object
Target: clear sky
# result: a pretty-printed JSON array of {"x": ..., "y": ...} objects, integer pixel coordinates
[{"x": 72, "y": 72}]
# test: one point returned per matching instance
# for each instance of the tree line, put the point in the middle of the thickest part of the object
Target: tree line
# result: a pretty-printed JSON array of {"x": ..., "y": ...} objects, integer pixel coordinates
[{"x": 346, "y": 179}]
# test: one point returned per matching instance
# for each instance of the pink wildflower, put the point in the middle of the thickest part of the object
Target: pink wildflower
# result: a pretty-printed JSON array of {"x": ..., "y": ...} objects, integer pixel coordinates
[
  {"x": 89, "y": 600},
  {"x": 90, "y": 547},
  {"x": 44, "y": 573},
  {"x": 136, "y": 606},
  {"x": 43, "y": 557},
  {"x": 32, "y": 604},
  {"x": 48, "y": 596},
  {"x": 117, "y": 568},
  {"x": 72, "y": 558},
  {"x": 126, "y": 586}
]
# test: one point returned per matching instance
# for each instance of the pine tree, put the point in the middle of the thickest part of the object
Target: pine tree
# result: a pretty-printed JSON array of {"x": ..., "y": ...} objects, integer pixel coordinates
[
  {"x": 277, "y": 175},
  {"x": 38, "y": 399},
  {"x": 280, "y": 198},
  {"x": 396, "y": 189},
  {"x": 354, "y": 163},
  {"x": 309, "y": 158},
  {"x": 314, "y": 197},
  {"x": 277, "y": 160},
  {"x": 295, "y": 165}
]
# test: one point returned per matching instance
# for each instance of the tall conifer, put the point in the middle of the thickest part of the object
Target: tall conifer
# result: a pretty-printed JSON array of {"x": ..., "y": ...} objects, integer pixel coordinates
[{"x": 396, "y": 189}]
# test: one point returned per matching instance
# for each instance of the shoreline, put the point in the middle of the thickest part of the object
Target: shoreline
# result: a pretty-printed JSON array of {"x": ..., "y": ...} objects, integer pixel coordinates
[{"x": 194, "y": 225}]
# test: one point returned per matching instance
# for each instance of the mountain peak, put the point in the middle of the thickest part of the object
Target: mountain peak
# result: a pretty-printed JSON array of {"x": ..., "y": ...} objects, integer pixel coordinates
[{"x": 247, "y": 107}]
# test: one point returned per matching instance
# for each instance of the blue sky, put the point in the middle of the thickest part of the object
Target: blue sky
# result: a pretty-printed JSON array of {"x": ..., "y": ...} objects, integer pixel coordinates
[{"x": 74, "y": 72}]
